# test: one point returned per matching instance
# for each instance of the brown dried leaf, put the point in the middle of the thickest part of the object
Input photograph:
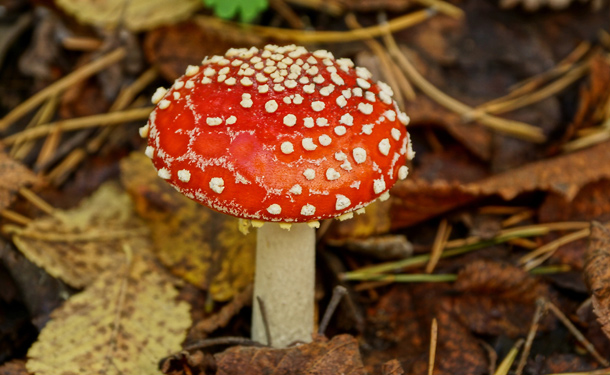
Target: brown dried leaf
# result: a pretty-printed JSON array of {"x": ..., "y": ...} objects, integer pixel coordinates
[
  {"x": 414, "y": 201},
  {"x": 400, "y": 325},
  {"x": 197, "y": 244},
  {"x": 597, "y": 273},
  {"x": 418, "y": 200},
  {"x": 340, "y": 355},
  {"x": 77, "y": 245},
  {"x": 14, "y": 176},
  {"x": 123, "y": 323},
  {"x": 135, "y": 15},
  {"x": 173, "y": 48},
  {"x": 497, "y": 298},
  {"x": 591, "y": 203},
  {"x": 565, "y": 174}
]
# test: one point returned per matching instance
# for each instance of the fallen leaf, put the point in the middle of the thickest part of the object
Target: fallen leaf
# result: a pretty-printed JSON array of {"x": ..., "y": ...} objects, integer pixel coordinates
[
  {"x": 340, "y": 355},
  {"x": 591, "y": 203},
  {"x": 597, "y": 273},
  {"x": 77, "y": 245},
  {"x": 201, "y": 246},
  {"x": 565, "y": 175},
  {"x": 497, "y": 298},
  {"x": 14, "y": 176},
  {"x": 399, "y": 326},
  {"x": 173, "y": 48},
  {"x": 123, "y": 323},
  {"x": 136, "y": 15}
]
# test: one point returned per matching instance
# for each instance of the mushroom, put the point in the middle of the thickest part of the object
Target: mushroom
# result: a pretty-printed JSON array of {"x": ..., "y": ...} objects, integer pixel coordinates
[{"x": 282, "y": 137}]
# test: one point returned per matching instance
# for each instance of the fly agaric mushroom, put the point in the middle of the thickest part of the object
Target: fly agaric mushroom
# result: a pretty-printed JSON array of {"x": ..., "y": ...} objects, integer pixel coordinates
[{"x": 284, "y": 136}]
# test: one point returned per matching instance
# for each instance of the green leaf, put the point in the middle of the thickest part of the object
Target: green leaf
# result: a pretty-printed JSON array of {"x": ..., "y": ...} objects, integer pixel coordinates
[{"x": 228, "y": 9}]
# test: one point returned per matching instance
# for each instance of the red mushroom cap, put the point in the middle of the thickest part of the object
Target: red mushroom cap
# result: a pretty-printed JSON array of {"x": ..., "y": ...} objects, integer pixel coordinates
[{"x": 278, "y": 134}]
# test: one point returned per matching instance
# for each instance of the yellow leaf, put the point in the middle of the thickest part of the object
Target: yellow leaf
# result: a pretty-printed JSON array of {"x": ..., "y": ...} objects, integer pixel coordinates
[
  {"x": 199, "y": 245},
  {"x": 123, "y": 323},
  {"x": 77, "y": 245},
  {"x": 136, "y": 15}
]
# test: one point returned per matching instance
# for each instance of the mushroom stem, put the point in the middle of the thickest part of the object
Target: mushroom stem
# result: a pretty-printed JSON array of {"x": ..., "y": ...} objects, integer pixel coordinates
[{"x": 284, "y": 281}]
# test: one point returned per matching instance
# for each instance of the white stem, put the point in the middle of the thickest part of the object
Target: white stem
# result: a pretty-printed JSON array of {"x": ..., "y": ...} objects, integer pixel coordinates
[{"x": 284, "y": 281}]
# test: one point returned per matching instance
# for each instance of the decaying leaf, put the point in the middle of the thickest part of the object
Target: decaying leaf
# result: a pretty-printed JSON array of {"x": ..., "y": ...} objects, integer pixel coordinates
[
  {"x": 597, "y": 273},
  {"x": 497, "y": 298},
  {"x": 173, "y": 48},
  {"x": 417, "y": 200},
  {"x": 340, "y": 355},
  {"x": 14, "y": 176},
  {"x": 77, "y": 245},
  {"x": 123, "y": 323},
  {"x": 197, "y": 244},
  {"x": 136, "y": 15},
  {"x": 400, "y": 325}
]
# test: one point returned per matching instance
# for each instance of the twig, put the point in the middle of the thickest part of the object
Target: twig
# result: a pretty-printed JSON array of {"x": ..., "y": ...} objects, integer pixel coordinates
[
  {"x": 440, "y": 241},
  {"x": 261, "y": 306},
  {"x": 532, "y": 83},
  {"x": 287, "y": 13},
  {"x": 400, "y": 278},
  {"x": 510, "y": 127},
  {"x": 38, "y": 202},
  {"x": 540, "y": 310},
  {"x": 538, "y": 256},
  {"x": 461, "y": 246},
  {"x": 433, "y": 344},
  {"x": 14, "y": 216},
  {"x": 222, "y": 317},
  {"x": 299, "y": 36},
  {"x": 510, "y": 358},
  {"x": 221, "y": 341},
  {"x": 62, "y": 84},
  {"x": 393, "y": 76},
  {"x": 579, "y": 336},
  {"x": 492, "y": 355},
  {"x": 518, "y": 217},
  {"x": 511, "y": 104},
  {"x": 443, "y": 7},
  {"x": 22, "y": 146},
  {"x": 112, "y": 118},
  {"x": 338, "y": 293}
]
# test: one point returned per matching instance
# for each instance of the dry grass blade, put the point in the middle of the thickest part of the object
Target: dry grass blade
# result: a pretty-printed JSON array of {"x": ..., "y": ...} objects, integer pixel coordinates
[
  {"x": 62, "y": 84},
  {"x": 111, "y": 118},
  {"x": 443, "y": 7},
  {"x": 540, "y": 310},
  {"x": 299, "y": 36},
  {"x": 507, "y": 362},
  {"x": 509, "y": 127},
  {"x": 440, "y": 241},
  {"x": 511, "y": 104},
  {"x": 579, "y": 336},
  {"x": 15, "y": 217},
  {"x": 433, "y": 344},
  {"x": 538, "y": 256},
  {"x": 38, "y": 202},
  {"x": 392, "y": 74}
]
